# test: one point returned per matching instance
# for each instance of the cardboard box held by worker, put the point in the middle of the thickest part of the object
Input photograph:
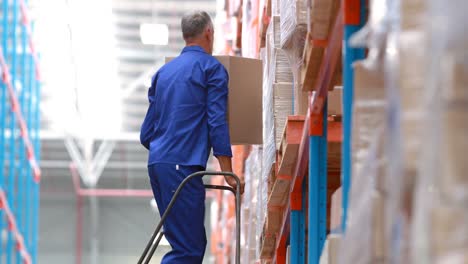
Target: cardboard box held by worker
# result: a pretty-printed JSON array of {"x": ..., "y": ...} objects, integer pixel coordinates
[{"x": 245, "y": 98}]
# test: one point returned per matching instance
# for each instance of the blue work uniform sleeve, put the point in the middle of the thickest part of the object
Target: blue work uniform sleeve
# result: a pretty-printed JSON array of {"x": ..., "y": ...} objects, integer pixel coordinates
[
  {"x": 217, "y": 111},
  {"x": 147, "y": 131}
]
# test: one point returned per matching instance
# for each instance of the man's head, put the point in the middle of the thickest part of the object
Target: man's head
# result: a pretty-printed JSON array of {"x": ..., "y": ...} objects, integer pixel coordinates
[{"x": 197, "y": 29}]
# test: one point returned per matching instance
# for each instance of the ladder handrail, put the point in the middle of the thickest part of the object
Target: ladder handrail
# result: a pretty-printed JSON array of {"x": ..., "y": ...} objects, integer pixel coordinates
[{"x": 237, "y": 195}]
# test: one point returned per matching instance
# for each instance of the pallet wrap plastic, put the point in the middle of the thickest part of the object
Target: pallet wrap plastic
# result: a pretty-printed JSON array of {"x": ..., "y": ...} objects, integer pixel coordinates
[
  {"x": 367, "y": 239},
  {"x": 440, "y": 233},
  {"x": 269, "y": 148},
  {"x": 293, "y": 15},
  {"x": 409, "y": 185},
  {"x": 364, "y": 225},
  {"x": 293, "y": 33},
  {"x": 253, "y": 170}
]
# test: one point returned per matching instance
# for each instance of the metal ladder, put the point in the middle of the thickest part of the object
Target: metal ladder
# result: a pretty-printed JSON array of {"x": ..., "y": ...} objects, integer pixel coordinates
[{"x": 157, "y": 234}]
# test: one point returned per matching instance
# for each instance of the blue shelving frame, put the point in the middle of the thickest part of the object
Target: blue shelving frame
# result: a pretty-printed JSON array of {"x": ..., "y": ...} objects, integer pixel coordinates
[
  {"x": 313, "y": 148},
  {"x": 17, "y": 179},
  {"x": 355, "y": 18}
]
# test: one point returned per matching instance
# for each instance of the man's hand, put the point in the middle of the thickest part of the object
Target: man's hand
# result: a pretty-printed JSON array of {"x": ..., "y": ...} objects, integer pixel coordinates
[
  {"x": 232, "y": 182},
  {"x": 226, "y": 166}
]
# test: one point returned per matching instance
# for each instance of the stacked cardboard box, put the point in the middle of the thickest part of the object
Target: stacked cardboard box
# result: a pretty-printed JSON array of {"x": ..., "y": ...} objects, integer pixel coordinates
[
  {"x": 365, "y": 224},
  {"x": 444, "y": 213},
  {"x": 280, "y": 79},
  {"x": 293, "y": 21},
  {"x": 250, "y": 219},
  {"x": 283, "y": 108},
  {"x": 410, "y": 124}
]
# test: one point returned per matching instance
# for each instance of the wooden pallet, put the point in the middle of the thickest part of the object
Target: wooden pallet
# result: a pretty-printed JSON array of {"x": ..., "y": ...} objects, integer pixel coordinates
[
  {"x": 311, "y": 61},
  {"x": 290, "y": 142},
  {"x": 287, "y": 155},
  {"x": 268, "y": 244},
  {"x": 280, "y": 190},
  {"x": 335, "y": 101},
  {"x": 322, "y": 16},
  {"x": 271, "y": 179},
  {"x": 274, "y": 219}
]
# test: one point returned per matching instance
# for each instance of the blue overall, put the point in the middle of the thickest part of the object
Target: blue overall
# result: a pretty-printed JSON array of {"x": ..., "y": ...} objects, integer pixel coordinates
[{"x": 186, "y": 119}]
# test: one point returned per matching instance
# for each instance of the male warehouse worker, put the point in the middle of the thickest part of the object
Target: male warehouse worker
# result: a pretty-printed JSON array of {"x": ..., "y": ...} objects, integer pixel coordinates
[{"x": 185, "y": 119}]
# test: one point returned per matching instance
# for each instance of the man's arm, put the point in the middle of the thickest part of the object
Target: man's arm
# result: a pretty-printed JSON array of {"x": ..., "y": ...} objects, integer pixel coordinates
[
  {"x": 217, "y": 121},
  {"x": 225, "y": 164},
  {"x": 147, "y": 128}
]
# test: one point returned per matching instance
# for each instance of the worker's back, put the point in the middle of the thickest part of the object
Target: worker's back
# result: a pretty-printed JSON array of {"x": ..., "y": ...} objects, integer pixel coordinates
[{"x": 180, "y": 93}]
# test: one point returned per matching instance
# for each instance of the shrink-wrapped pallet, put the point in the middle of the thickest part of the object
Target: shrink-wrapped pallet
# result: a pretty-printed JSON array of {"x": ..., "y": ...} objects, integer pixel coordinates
[
  {"x": 275, "y": 7},
  {"x": 283, "y": 96},
  {"x": 293, "y": 19},
  {"x": 281, "y": 68},
  {"x": 368, "y": 217},
  {"x": 293, "y": 34},
  {"x": 440, "y": 231},
  {"x": 365, "y": 226},
  {"x": 277, "y": 60},
  {"x": 269, "y": 149},
  {"x": 250, "y": 204}
]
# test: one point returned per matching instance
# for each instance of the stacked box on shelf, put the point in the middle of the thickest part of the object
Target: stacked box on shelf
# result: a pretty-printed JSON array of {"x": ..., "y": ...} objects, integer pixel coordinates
[
  {"x": 293, "y": 33},
  {"x": 365, "y": 227},
  {"x": 282, "y": 70},
  {"x": 321, "y": 16},
  {"x": 253, "y": 169},
  {"x": 281, "y": 79},
  {"x": 275, "y": 7},
  {"x": 269, "y": 148},
  {"x": 441, "y": 211},
  {"x": 418, "y": 194},
  {"x": 293, "y": 15},
  {"x": 283, "y": 108},
  {"x": 277, "y": 103}
]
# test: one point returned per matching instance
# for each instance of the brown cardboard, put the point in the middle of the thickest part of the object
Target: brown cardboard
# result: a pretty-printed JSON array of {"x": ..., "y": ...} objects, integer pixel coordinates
[
  {"x": 336, "y": 200},
  {"x": 331, "y": 249},
  {"x": 454, "y": 127},
  {"x": 334, "y": 241},
  {"x": 335, "y": 101},
  {"x": 368, "y": 111},
  {"x": 245, "y": 99},
  {"x": 282, "y": 108}
]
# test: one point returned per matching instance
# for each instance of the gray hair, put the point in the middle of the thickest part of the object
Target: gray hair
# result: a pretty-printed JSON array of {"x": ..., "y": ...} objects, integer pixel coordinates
[{"x": 194, "y": 23}]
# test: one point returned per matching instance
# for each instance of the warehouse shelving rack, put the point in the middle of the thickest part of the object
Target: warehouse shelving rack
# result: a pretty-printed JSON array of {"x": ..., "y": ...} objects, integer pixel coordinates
[
  {"x": 19, "y": 138},
  {"x": 312, "y": 154},
  {"x": 355, "y": 17}
]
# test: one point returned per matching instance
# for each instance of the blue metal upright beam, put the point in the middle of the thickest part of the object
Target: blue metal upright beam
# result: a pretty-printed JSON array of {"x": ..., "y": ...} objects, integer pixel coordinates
[
  {"x": 13, "y": 131},
  {"x": 3, "y": 105},
  {"x": 24, "y": 165},
  {"x": 318, "y": 191},
  {"x": 30, "y": 181},
  {"x": 355, "y": 17},
  {"x": 37, "y": 151},
  {"x": 16, "y": 175},
  {"x": 298, "y": 231}
]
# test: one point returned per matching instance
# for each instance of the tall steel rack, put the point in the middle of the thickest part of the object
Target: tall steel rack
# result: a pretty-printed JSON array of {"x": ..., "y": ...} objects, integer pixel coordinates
[
  {"x": 305, "y": 217},
  {"x": 19, "y": 135}
]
